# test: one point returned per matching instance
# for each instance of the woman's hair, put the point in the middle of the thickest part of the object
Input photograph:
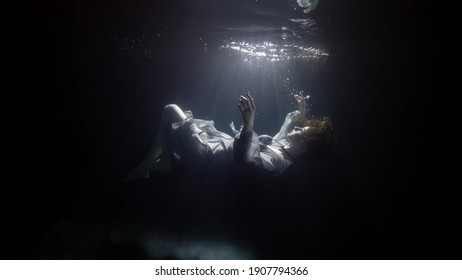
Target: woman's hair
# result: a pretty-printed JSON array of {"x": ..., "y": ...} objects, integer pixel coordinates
[{"x": 320, "y": 138}]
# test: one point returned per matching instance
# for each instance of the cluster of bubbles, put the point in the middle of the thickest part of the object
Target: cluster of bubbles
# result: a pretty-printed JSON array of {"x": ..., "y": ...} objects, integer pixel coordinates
[{"x": 141, "y": 45}]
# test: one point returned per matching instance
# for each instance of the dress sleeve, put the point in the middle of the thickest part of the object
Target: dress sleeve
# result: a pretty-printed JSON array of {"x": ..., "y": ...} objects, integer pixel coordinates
[
  {"x": 246, "y": 151},
  {"x": 248, "y": 154}
]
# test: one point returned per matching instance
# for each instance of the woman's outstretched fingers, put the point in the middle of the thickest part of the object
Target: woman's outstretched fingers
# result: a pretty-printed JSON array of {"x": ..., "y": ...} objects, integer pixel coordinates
[
  {"x": 251, "y": 101},
  {"x": 247, "y": 107},
  {"x": 239, "y": 104},
  {"x": 246, "y": 103},
  {"x": 243, "y": 103},
  {"x": 301, "y": 102}
]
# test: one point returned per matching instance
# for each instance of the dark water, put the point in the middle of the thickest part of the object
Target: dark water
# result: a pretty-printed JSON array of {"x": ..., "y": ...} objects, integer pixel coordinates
[{"x": 86, "y": 85}]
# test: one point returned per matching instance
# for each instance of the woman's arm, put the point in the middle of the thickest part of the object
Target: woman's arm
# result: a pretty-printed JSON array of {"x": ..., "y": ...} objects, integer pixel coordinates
[
  {"x": 247, "y": 107},
  {"x": 288, "y": 125},
  {"x": 247, "y": 150},
  {"x": 246, "y": 145},
  {"x": 301, "y": 103}
]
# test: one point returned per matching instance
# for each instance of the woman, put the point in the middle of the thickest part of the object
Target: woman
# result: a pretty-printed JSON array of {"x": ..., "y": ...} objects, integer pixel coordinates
[{"x": 197, "y": 142}]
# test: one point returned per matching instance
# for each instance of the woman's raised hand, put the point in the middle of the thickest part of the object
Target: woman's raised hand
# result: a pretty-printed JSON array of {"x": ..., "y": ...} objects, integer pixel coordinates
[
  {"x": 247, "y": 107},
  {"x": 301, "y": 102}
]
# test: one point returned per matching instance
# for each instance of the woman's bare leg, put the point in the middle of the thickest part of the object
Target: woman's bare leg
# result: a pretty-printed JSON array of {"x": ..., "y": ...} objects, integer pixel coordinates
[{"x": 158, "y": 157}]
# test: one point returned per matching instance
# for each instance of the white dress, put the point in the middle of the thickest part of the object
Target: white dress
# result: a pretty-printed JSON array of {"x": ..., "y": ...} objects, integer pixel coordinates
[{"x": 197, "y": 142}]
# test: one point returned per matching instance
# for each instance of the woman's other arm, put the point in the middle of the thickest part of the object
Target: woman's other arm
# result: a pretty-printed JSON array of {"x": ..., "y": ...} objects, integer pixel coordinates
[{"x": 287, "y": 126}]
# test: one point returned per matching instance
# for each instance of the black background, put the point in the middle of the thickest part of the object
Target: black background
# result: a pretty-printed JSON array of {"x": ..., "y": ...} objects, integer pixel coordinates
[{"x": 75, "y": 124}]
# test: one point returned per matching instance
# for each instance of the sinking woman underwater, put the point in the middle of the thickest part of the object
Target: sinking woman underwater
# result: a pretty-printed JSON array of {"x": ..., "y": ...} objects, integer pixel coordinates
[{"x": 197, "y": 142}]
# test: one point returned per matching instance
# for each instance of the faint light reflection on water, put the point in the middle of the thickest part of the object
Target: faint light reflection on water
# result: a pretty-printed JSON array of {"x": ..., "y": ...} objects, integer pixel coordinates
[
  {"x": 274, "y": 51},
  {"x": 296, "y": 40}
]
